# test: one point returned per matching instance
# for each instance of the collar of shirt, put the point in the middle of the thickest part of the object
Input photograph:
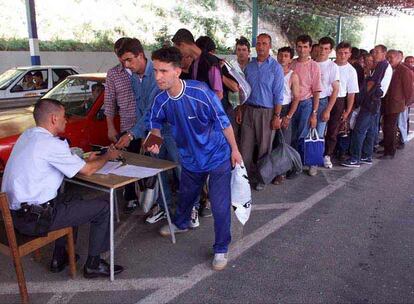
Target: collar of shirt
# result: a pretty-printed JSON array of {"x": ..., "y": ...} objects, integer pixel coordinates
[
  {"x": 267, "y": 60},
  {"x": 42, "y": 130}
]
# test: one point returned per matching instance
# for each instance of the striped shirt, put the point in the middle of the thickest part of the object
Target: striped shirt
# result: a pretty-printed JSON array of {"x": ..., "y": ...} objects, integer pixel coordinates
[
  {"x": 197, "y": 121},
  {"x": 120, "y": 96}
]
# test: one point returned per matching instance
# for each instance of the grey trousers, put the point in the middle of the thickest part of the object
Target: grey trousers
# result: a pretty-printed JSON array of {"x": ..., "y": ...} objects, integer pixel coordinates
[{"x": 255, "y": 129}]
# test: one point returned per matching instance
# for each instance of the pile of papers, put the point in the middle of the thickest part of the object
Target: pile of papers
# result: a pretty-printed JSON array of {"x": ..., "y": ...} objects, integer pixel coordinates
[{"x": 118, "y": 168}]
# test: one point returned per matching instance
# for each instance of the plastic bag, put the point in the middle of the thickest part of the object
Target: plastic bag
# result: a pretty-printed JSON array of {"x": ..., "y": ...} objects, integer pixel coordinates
[
  {"x": 241, "y": 195},
  {"x": 245, "y": 89},
  {"x": 149, "y": 196},
  {"x": 314, "y": 148},
  {"x": 353, "y": 118},
  {"x": 279, "y": 161}
]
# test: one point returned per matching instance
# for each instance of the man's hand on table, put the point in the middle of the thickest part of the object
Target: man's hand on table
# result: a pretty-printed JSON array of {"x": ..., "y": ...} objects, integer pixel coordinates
[
  {"x": 112, "y": 153},
  {"x": 124, "y": 141}
]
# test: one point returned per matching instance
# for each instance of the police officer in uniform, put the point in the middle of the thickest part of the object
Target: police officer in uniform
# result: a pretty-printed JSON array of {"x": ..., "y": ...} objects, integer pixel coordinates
[{"x": 33, "y": 174}]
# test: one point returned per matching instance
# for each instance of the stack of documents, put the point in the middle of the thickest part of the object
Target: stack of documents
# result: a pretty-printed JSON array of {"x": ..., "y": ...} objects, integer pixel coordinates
[{"x": 118, "y": 168}]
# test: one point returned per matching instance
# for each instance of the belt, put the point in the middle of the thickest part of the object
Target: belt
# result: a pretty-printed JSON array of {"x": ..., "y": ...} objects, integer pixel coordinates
[
  {"x": 25, "y": 207},
  {"x": 258, "y": 107}
]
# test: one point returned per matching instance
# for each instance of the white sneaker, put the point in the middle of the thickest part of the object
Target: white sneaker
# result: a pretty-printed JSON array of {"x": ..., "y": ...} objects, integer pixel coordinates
[
  {"x": 313, "y": 170},
  {"x": 156, "y": 215},
  {"x": 220, "y": 261},
  {"x": 327, "y": 162},
  {"x": 194, "y": 222}
]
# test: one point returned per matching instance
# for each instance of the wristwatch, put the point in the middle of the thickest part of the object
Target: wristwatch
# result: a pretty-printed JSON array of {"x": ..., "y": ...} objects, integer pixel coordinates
[
  {"x": 276, "y": 114},
  {"x": 315, "y": 112},
  {"x": 130, "y": 136}
]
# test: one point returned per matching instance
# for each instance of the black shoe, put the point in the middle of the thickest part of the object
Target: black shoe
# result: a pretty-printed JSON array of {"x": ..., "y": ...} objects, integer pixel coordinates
[
  {"x": 59, "y": 264},
  {"x": 130, "y": 206},
  {"x": 103, "y": 270}
]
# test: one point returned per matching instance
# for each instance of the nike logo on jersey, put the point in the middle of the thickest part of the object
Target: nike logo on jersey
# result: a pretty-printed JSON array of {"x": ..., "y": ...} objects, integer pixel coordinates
[{"x": 192, "y": 117}]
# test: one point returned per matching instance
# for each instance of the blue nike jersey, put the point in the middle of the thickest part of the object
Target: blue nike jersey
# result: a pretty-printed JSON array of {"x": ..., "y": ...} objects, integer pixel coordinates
[{"x": 197, "y": 119}]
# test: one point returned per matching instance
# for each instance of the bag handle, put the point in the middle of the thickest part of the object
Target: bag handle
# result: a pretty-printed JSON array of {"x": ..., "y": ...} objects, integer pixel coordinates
[{"x": 313, "y": 134}]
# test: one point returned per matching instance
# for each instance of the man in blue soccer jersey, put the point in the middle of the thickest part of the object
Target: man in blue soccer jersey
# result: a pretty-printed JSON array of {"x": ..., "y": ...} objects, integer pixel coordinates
[{"x": 206, "y": 145}]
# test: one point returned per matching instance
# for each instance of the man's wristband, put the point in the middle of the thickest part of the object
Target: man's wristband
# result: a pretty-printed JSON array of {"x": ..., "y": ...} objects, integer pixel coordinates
[{"x": 276, "y": 115}]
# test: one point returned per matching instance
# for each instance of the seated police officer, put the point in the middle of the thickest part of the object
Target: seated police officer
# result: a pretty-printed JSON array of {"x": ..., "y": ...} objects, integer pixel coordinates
[{"x": 32, "y": 177}]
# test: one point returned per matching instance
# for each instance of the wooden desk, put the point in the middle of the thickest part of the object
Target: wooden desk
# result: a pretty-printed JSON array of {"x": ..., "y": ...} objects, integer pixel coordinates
[{"x": 109, "y": 183}]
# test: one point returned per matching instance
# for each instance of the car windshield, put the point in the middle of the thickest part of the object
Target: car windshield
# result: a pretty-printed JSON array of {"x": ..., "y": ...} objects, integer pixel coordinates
[
  {"x": 8, "y": 77},
  {"x": 77, "y": 95}
]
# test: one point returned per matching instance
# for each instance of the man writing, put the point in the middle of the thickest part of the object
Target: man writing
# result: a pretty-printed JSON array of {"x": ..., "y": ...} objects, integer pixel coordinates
[
  {"x": 33, "y": 174},
  {"x": 206, "y": 144}
]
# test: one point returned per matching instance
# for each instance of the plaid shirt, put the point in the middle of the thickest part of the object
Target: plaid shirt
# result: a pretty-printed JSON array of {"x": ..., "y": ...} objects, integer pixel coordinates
[{"x": 118, "y": 92}]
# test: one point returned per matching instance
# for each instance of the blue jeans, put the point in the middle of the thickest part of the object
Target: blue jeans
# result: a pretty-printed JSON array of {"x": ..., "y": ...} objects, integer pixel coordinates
[
  {"x": 168, "y": 151},
  {"x": 300, "y": 122},
  {"x": 402, "y": 125},
  {"x": 363, "y": 135},
  {"x": 321, "y": 126},
  {"x": 191, "y": 184}
]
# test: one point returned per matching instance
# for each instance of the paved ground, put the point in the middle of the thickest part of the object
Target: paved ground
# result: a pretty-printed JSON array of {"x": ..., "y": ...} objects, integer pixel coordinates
[{"x": 342, "y": 236}]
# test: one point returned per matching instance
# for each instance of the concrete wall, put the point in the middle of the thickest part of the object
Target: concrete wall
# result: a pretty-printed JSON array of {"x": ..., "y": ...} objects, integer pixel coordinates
[{"x": 86, "y": 61}]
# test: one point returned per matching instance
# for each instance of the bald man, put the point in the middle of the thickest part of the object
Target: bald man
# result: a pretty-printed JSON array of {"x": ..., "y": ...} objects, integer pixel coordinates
[{"x": 33, "y": 174}]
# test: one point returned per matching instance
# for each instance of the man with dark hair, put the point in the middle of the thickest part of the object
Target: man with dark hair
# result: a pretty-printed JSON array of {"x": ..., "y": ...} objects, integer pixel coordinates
[
  {"x": 119, "y": 97},
  {"x": 39, "y": 83},
  {"x": 261, "y": 111},
  {"x": 395, "y": 102},
  {"x": 330, "y": 88},
  {"x": 344, "y": 103},
  {"x": 242, "y": 55},
  {"x": 314, "y": 51},
  {"x": 205, "y": 67},
  {"x": 306, "y": 116},
  {"x": 366, "y": 125},
  {"x": 32, "y": 177},
  {"x": 409, "y": 61},
  {"x": 145, "y": 89},
  {"x": 206, "y": 144}
]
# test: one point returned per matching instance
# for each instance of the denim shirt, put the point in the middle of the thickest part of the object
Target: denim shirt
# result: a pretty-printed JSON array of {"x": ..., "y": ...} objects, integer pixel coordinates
[{"x": 266, "y": 80}]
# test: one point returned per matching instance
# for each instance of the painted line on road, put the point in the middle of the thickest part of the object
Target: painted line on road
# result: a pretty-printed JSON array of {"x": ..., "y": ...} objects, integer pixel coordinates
[
  {"x": 202, "y": 271},
  {"x": 272, "y": 206}
]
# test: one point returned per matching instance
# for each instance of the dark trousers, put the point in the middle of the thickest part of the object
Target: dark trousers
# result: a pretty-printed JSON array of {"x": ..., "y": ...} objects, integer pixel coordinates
[
  {"x": 219, "y": 194},
  {"x": 130, "y": 194},
  {"x": 334, "y": 124},
  {"x": 390, "y": 133},
  {"x": 363, "y": 135},
  {"x": 75, "y": 213}
]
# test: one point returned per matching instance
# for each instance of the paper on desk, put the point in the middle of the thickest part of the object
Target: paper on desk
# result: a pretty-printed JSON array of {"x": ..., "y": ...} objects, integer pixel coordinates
[
  {"x": 109, "y": 167},
  {"x": 135, "y": 171}
]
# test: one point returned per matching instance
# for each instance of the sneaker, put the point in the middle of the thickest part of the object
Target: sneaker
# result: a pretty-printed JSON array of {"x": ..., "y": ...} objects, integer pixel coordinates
[
  {"x": 366, "y": 160},
  {"x": 194, "y": 222},
  {"x": 313, "y": 170},
  {"x": 130, "y": 206},
  {"x": 165, "y": 230},
  {"x": 156, "y": 215},
  {"x": 327, "y": 162},
  {"x": 205, "y": 209},
  {"x": 259, "y": 187},
  {"x": 220, "y": 261},
  {"x": 351, "y": 163}
]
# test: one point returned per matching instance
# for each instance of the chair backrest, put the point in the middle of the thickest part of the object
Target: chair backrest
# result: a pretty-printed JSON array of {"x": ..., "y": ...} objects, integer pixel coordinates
[{"x": 8, "y": 221}]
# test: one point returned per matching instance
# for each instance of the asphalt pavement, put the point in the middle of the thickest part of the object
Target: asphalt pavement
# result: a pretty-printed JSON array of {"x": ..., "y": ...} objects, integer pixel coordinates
[{"x": 344, "y": 236}]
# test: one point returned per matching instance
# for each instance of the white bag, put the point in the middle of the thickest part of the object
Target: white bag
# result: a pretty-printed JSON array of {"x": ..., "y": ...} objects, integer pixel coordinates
[
  {"x": 148, "y": 198},
  {"x": 353, "y": 118},
  {"x": 241, "y": 195},
  {"x": 245, "y": 89}
]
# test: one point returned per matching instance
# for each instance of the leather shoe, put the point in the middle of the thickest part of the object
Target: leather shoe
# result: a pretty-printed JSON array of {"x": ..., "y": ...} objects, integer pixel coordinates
[
  {"x": 101, "y": 271},
  {"x": 59, "y": 264}
]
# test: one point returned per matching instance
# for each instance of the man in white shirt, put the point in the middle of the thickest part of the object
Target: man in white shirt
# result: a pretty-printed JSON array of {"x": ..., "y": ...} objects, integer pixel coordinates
[
  {"x": 330, "y": 86},
  {"x": 346, "y": 96},
  {"x": 33, "y": 174}
]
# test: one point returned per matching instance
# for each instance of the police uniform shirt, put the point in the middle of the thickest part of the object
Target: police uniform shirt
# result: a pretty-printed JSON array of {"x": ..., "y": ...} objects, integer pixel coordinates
[
  {"x": 197, "y": 120},
  {"x": 36, "y": 167}
]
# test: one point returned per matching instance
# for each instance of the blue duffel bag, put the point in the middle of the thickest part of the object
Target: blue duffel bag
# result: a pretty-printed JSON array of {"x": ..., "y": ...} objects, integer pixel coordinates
[{"x": 313, "y": 149}]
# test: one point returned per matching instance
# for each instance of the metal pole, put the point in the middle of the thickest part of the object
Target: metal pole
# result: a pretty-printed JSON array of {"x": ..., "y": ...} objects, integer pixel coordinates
[
  {"x": 255, "y": 18},
  {"x": 33, "y": 39},
  {"x": 339, "y": 30},
  {"x": 376, "y": 31}
]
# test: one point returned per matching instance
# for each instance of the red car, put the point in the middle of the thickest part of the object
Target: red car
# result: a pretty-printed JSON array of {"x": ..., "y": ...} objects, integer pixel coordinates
[{"x": 82, "y": 96}]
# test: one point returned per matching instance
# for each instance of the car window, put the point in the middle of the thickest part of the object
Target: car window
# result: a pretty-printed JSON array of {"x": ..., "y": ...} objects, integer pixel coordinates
[
  {"x": 60, "y": 74},
  {"x": 77, "y": 95},
  {"x": 9, "y": 77},
  {"x": 32, "y": 81}
]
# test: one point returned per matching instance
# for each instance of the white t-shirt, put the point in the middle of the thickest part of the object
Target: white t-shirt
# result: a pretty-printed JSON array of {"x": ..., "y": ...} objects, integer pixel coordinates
[
  {"x": 36, "y": 167},
  {"x": 348, "y": 80},
  {"x": 385, "y": 82},
  {"x": 287, "y": 90},
  {"x": 329, "y": 74}
]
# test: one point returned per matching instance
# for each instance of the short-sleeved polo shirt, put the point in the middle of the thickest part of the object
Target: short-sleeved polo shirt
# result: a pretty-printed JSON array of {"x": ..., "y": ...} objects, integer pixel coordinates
[
  {"x": 197, "y": 120},
  {"x": 36, "y": 167}
]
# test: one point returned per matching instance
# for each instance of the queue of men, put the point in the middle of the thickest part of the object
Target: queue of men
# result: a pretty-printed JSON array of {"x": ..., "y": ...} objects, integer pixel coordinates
[{"x": 184, "y": 94}]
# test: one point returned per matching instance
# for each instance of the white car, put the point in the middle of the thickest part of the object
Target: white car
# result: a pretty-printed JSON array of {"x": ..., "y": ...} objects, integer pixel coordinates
[{"x": 23, "y": 86}]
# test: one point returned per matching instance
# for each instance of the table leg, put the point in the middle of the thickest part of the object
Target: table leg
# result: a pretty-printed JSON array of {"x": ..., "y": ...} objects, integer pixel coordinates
[
  {"x": 116, "y": 206},
  {"x": 111, "y": 233},
  {"x": 166, "y": 208}
]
